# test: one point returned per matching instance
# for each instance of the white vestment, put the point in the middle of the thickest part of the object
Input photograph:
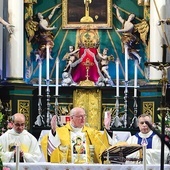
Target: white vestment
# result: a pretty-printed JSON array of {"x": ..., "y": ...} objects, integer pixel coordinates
[
  {"x": 153, "y": 155},
  {"x": 27, "y": 142}
]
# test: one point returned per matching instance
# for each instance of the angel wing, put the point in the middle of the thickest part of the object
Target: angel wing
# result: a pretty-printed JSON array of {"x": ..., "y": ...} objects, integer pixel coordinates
[
  {"x": 143, "y": 29},
  {"x": 31, "y": 27}
]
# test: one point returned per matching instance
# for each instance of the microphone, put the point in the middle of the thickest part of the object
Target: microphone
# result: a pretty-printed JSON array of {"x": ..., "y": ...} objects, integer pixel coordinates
[{"x": 162, "y": 137}]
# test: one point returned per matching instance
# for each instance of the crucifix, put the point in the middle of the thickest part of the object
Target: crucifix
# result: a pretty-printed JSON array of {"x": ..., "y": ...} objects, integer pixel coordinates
[{"x": 162, "y": 66}]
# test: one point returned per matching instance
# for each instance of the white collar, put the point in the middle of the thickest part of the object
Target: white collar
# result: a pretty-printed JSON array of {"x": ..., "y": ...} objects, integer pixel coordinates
[
  {"x": 142, "y": 135},
  {"x": 76, "y": 129}
]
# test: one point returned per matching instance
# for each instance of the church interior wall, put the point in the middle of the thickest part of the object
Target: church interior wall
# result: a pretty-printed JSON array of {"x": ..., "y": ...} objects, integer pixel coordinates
[{"x": 148, "y": 93}]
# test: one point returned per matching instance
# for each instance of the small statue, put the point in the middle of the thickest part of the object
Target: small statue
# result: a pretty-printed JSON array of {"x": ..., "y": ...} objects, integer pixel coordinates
[
  {"x": 9, "y": 27},
  {"x": 67, "y": 80},
  {"x": 70, "y": 57},
  {"x": 40, "y": 32},
  {"x": 104, "y": 60},
  {"x": 164, "y": 68}
]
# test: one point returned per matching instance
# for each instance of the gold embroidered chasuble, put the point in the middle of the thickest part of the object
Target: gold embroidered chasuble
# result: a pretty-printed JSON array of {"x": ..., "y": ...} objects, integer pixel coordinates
[{"x": 93, "y": 137}]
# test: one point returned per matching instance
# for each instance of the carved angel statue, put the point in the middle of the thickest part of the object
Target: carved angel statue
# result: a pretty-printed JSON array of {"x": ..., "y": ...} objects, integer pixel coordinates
[
  {"x": 143, "y": 29},
  {"x": 129, "y": 39},
  {"x": 104, "y": 61},
  {"x": 39, "y": 32},
  {"x": 70, "y": 57},
  {"x": 8, "y": 26}
]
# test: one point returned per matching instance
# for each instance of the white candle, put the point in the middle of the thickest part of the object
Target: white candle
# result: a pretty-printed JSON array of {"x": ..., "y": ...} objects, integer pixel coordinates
[
  {"x": 17, "y": 156},
  {"x": 40, "y": 76},
  {"x": 117, "y": 77},
  {"x": 48, "y": 61},
  {"x": 126, "y": 62},
  {"x": 144, "y": 144},
  {"x": 57, "y": 76},
  {"x": 135, "y": 78},
  {"x": 144, "y": 156}
]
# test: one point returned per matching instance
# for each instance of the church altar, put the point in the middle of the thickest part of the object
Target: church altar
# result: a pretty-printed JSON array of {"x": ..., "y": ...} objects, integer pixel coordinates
[{"x": 53, "y": 166}]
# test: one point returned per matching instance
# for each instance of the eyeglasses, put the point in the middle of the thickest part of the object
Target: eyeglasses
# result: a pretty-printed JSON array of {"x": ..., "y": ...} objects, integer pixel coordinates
[
  {"x": 19, "y": 125},
  {"x": 80, "y": 116},
  {"x": 142, "y": 123}
]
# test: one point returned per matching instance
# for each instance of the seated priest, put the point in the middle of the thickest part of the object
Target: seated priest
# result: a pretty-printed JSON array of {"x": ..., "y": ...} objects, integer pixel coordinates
[
  {"x": 69, "y": 133},
  {"x": 149, "y": 138},
  {"x": 18, "y": 136}
]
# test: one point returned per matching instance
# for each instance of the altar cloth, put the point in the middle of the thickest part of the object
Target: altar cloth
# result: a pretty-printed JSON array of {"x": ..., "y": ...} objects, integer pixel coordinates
[{"x": 54, "y": 166}]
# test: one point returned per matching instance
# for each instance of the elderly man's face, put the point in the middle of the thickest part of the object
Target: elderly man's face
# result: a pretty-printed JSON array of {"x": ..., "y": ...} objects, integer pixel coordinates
[{"x": 78, "y": 119}]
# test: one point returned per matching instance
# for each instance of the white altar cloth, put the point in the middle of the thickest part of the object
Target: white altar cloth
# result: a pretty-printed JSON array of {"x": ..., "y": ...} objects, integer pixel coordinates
[{"x": 54, "y": 166}]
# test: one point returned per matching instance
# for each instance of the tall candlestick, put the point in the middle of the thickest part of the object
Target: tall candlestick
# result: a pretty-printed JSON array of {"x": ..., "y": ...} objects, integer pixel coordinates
[
  {"x": 117, "y": 77},
  {"x": 135, "y": 78},
  {"x": 40, "y": 76},
  {"x": 47, "y": 61},
  {"x": 57, "y": 76},
  {"x": 126, "y": 63},
  {"x": 17, "y": 156}
]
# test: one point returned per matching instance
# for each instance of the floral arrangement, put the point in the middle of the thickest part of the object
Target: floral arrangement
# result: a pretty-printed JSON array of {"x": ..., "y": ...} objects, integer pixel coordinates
[
  {"x": 5, "y": 114},
  {"x": 3, "y": 124}
]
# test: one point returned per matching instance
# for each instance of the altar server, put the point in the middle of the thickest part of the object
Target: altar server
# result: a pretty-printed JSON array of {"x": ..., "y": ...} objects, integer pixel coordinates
[
  {"x": 152, "y": 141},
  {"x": 18, "y": 136}
]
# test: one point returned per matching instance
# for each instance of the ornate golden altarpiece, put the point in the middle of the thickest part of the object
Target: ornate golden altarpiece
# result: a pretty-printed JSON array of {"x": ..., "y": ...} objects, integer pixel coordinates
[{"x": 90, "y": 99}]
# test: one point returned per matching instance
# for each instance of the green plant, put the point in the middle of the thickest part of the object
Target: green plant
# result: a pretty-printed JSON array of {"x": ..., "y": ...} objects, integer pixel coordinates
[{"x": 158, "y": 126}]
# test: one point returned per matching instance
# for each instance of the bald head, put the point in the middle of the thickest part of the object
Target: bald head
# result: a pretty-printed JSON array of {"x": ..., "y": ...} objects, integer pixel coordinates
[
  {"x": 77, "y": 116},
  {"x": 18, "y": 122},
  {"x": 76, "y": 110},
  {"x": 18, "y": 117}
]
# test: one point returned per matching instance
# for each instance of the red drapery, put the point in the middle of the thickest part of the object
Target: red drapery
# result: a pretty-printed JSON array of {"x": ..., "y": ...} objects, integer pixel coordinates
[{"x": 87, "y": 67}]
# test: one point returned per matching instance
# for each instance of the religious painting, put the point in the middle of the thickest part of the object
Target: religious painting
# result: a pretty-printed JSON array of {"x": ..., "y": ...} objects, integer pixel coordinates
[
  {"x": 86, "y": 14},
  {"x": 78, "y": 148}
]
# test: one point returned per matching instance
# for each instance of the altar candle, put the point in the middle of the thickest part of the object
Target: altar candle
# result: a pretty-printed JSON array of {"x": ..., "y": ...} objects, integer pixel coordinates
[
  {"x": 126, "y": 63},
  {"x": 47, "y": 61},
  {"x": 57, "y": 76},
  {"x": 17, "y": 156},
  {"x": 117, "y": 77},
  {"x": 135, "y": 78},
  {"x": 144, "y": 144},
  {"x": 144, "y": 156},
  {"x": 40, "y": 77}
]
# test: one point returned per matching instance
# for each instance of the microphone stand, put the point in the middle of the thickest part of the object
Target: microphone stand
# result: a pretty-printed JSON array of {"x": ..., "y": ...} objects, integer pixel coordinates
[{"x": 162, "y": 137}]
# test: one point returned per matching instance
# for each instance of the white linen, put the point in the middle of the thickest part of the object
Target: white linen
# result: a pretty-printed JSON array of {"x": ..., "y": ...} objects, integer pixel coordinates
[{"x": 54, "y": 166}]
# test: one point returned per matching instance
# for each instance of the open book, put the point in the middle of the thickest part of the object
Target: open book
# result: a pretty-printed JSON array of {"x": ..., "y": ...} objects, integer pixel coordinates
[{"x": 118, "y": 152}]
